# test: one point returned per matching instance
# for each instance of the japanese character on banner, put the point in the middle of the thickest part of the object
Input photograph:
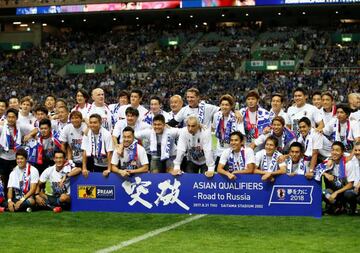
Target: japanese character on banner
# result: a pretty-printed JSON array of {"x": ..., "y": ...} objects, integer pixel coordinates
[
  {"x": 135, "y": 189},
  {"x": 170, "y": 194}
]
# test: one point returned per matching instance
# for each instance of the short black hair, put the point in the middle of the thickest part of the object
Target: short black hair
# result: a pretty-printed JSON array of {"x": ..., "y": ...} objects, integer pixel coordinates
[
  {"x": 297, "y": 145},
  {"x": 274, "y": 139},
  {"x": 128, "y": 129},
  {"x": 96, "y": 116},
  {"x": 45, "y": 122},
  {"x": 238, "y": 133},
  {"x": 302, "y": 90},
  {"x": 137, "y": 91},
  {"x": 21, "y": 152},
  {"x": 84, "y": 93},
  {"x": 14, "y": 111},
  {"x": 132, "y": 111},
  {"x": 159, "y": 117},
  {"x": 345, "y": 108},
  {"x": 306, "y": 120},
  {"x": 340, "y": 144}
]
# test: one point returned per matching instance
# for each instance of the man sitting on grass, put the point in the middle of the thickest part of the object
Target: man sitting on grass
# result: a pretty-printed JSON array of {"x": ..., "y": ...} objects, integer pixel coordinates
[{"x": 58, "y": 176}]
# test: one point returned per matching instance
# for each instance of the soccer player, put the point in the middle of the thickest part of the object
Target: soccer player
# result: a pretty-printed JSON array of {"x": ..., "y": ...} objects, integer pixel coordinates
[
  {"x": 266, "y": 161},
  {"x": 162, "y": 146},
  {"x": 312, "y": 142},
  {"x": 295, "y": 164},
  {"x": 277, "y": 104},
  {"x": 3, "y": 107},
  {"x": 237, "y": 159},
  {"x": 123, "y": 99},
  {"x": 255, "y": 118},
  {"x": 302, "y": 109},
  {"x": 50, "y": 102},
  {"x": 135, "y": 102},
  {"x": 176, "y": 103},
  {"x": 224, "y": 123},
  {"x": 132, "y": 120},
  {"x": 278, "y": 129},
  {"x": 82, "y": 102},
  {"x": 316, "y": 99},
  {"x": 155, "y": 109},
  {"x": 202, "y": 110},
  {"x": 40, "y": 113},
  {"x": 10, "y": 141},
  {"x": 22, "y": 184},
  {"x": 26, "y": 120},
  {"x": 71, "y": 138},
  {"x": 354, "y": 104},
  {"x": 62, "y": 120},
  {"x": 14, "y": 103},
  {"x": 41, "y": 151},
  {"x": 341, "y": 129},
  {"x": 130, "y": 157},
  {"x": 339, "y": 179},
  {"x": 58, "y": 176},
  {"x": 99, "y": 107},
  {"x": 97, "y": 148},
  {"x": 329, "y": 108},
  {"x": 195, "y": 141}
]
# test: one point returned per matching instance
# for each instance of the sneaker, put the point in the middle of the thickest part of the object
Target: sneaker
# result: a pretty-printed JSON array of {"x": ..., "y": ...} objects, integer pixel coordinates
[
  {"x": 57, "y": 209},
  {"x": 2, "y": 209}
]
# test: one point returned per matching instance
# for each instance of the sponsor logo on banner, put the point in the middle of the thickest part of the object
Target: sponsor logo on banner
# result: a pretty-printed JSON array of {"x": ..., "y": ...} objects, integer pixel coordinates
[
  {"x": 96, "y": 192},
  {"x": 291, "y": 194},
  {"x": 287, "y": 63},
  {"x": 257, "y": 63}
]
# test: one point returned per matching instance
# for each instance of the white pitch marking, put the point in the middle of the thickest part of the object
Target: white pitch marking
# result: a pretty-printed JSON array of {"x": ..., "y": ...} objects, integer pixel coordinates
[{"x": 149, "y": 234}]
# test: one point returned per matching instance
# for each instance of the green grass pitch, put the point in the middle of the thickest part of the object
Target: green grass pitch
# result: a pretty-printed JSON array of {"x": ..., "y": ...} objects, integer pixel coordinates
[{"x": 44, "y": 231}]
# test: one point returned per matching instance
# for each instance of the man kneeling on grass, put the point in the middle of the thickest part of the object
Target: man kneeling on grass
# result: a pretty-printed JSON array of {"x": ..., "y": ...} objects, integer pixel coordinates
[
  {"x": 58, "y": 176},
  {"x": 22, "y": 184}
]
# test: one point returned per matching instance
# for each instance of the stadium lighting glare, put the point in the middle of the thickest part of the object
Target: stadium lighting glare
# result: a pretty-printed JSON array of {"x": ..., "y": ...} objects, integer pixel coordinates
[
  {"x": 33, "y": 22},
  {"x": 44, "y": 24},
  {"x": 222, "y": 15},
  {"x": 17, "y": 23},
  {"x": 279, "y": 13},
  {"x": 179, "y": 24},
  {"x": 114, "y": 19},
  {"x": 336, "y": 12},
  {"x": 205, "y": 24},
  {"x": 28, "y": 29},
  {"x": 191, "y": 16},
  {"x": 137, "y": 18},
  {"x": 167, "y": 17},
  {"x": 24, "y": 25},
  {"x": 272, "y": 67},
  {"x": 84, "y": 20},
  {"x": 303, "y": 12},
  {"x": 196, "y": 26},
  {"x": 247, "y": 14},
  {"x": 15, "y": 47},
  {"x": 90, "y": 71},
  {"x": 62, "y": 21}
]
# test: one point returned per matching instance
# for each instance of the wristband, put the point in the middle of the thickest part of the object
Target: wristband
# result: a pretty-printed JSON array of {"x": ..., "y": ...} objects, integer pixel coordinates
[{"x": 9, "y": 200}]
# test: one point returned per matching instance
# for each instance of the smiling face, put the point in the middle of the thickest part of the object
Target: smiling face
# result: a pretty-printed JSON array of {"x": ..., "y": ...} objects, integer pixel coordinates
[
  {"x": 299, "y": 98},
  {"x": 192, "y": 99},
  {"x": 336, "y": 153},
  {"x": 276, "y": 103},
  {"x": 98, "y": 96},
  {"x": 326, "y": 102},
  {"x": 21, "y": 161},
  {"x": 295, "y": 154},
  {"x": 128, "y": 138},
  {"x": 235, "y": 143},
  {"x": 251, "y": 102},
  {"x": 225, "y": 107},
  {"x": 270, "y": 147},
  {"x": 316, "y": 101}
]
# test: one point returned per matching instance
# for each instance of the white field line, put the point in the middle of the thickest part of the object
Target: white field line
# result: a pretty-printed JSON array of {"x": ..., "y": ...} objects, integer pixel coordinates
[{"x": 149, "y": 234}]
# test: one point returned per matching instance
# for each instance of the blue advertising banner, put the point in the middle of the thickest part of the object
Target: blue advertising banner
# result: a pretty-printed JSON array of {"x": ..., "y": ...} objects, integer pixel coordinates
[{"x": 194, "y": 193}]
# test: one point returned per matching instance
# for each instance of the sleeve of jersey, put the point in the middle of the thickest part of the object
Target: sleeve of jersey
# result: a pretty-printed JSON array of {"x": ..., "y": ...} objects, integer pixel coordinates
[
  {"x": 224, "y": 156},
  {"x": 207, "y": 147},
  {"x": 181, "y": 149}
]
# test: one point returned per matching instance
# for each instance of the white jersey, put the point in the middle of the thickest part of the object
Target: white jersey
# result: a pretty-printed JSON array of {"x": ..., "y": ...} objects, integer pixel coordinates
[
  {"x": 313, "y": 140},
  {"x": 57, "y": 126},
  {"x": 73, "y": 137},
  {"x": 121, "y": 124},
  {"x": 105, "y": 114},
  {"x": 53, "y": 176},
  {"x": 126, "y": 162},
  {"x": 142, "y": 111},
  {"x": 282, "y": 114},
  {"x": 26, "y": 123},
  {"x": 21, "y": 179},
  {"x": 248, "y": 158},
  {"x": 205, "y": 112},
  {"x": 83, "y": 110},
  {"x": 197, "y": 147},
  {"x": 268, "y": 163},
  {"x": 296, "y": 113}
]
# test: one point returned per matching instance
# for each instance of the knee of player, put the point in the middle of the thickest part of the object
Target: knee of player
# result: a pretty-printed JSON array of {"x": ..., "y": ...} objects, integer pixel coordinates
[{"x": 64, "y": 198}]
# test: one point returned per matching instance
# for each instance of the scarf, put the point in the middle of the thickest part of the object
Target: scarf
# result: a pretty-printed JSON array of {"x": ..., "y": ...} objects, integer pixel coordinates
[
  {"x": 322, "y": 168},
  {"x": 273, "y": 162},
  {"x": 335, "y": 136},
  {"x": 287, "y": 136},
  {"x": 133, "y": 156},
  {"x": 252, "y": 131},
  {"x": 40, "y": 148},
  {"x": 97, "y": 148},
  {"x": 301, "y": 169},
  {"x": 10, "y": 140},
  {"x": 166, "y": 144},
  {"x": 223, "y": 132},
  {"x": 307, "y": 142},
  {"x": 149, "y": 117},
  {"x": 202, "y": 112},
  {"x": 25, "y": 179},
  {"x": 239, "y": 164}
]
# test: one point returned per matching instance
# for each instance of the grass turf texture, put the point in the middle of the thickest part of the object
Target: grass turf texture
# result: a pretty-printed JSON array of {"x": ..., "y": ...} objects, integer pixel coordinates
[{"x": 86, "y": 232}]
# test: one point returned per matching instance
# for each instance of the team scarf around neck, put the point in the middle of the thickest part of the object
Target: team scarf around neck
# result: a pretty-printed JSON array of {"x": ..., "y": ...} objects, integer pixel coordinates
[
  {"x": 166, "y": 144},
  {"x": 149, "y": 117},
  {"x": 322, "y": 168},
  {"x": 301, "y": 170},
  {"x": 10, "y": 139},
  {"x": 251, "y": 129},
  {"x": 336, "y": 135},
  {"x": 286, "y": 137},
  {"x": 97, "y": 145},
  {"x": 273, "y": 162},
  {"x": 26, "y": 179},
  {"x": 40, "y": 147},
  {"x": 223, "y": 132},
  {"x": 238, "y": 164},
  {"x": 202, "y": 112},
  {"x": 307, "y": 142}
]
